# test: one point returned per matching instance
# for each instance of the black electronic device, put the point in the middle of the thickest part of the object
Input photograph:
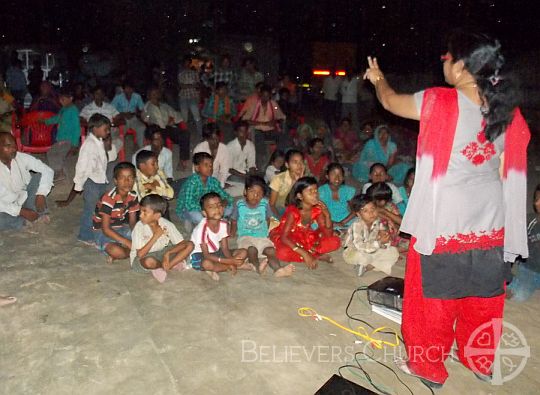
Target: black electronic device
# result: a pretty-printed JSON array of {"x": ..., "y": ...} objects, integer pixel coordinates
[
  {"x": 387, "y": 292},
  {"x": 337, "y": 385}
]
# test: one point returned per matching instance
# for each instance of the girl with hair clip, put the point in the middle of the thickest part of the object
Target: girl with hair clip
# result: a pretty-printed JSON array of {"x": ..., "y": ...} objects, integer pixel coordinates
[
  {"x": 294, "y": 238},
  {"x": 467, "y": 207}
]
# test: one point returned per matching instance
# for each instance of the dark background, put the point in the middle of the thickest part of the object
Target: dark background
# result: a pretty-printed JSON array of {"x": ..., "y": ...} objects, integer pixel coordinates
[{"x": 407, "y": 35}]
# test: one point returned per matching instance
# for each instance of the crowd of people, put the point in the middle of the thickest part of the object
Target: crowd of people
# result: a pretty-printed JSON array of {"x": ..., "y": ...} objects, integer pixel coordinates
[{"x": 279, "y": 188}]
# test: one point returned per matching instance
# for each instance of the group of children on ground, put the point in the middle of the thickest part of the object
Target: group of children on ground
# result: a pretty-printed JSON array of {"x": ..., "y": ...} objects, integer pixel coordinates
[{"x": 299, "y": 220}]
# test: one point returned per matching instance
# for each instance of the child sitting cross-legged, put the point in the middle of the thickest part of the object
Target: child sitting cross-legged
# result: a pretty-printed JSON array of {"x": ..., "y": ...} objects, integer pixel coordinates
[
  {"x": 116, "y": 215},
  {"x": 211, "y": 251},
  {"x": 249, "y": 221},
  {"x": 367, "y": 244},
  {"x": 150, "y": 178},
  {"x": 157, "y": 246},
  {"x": 295, "y": 239}
]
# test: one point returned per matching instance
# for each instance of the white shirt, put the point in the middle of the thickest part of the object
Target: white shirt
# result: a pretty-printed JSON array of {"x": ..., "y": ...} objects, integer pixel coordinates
[
  {"x": 164, "y": 160},
  {"x": 14, "y": 181},
  {"x": 349, "y": 90},
  {"x": 92, "y": 162},
  {"x": 106, "y": 109},
  {"x": 222, "y": 161},
  {"x": 242, "y": 159},
  {"x": 160, "y": 115},
  {"x": 202, "y": 234},
  {"x": 396, "y": 196},
  {"x": 271, "y": 172},
  {"x": 142, "y": 234},
  {"x": 331, "y": 87}
]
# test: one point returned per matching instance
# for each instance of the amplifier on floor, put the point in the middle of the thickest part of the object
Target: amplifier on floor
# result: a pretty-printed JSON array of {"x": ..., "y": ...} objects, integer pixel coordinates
[
  {"x": 387, "y": 292},
  {"x": 337, "y": 385}
]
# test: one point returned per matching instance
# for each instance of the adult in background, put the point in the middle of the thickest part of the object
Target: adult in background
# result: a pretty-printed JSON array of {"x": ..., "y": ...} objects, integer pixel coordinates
[
  {"x": 189, "y": 94},
  {"x": 16, "y": 81},
  {"x": 331, "y": 85},
  {"x": 159, "y": 115},
  {"x": 243, "y": 163},
  {"x": 349, "y": 98},
  {"x": 466, "y": 211},
  {"x": 22, "y": 193},
  {"x": 157, "y": 145},
  {"x": 248, "y": 79},
  {"x": 264, "y": 116},
  {"x": 47, "y": 100},
  {"x": 379, "y": 149},
  {"x": 129, "y": 104}
]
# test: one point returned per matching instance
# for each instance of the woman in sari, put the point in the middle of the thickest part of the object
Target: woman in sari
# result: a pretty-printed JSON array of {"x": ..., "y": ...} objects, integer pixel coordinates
[{"x": 380, "y": 149}]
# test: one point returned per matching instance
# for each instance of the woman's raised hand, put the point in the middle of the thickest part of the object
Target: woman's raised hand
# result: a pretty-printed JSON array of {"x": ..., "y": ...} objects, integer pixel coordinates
[{"x": 373, "y": 73}]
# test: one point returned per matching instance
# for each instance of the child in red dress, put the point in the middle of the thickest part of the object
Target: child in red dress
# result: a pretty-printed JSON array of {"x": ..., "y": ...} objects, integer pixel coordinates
[{"x": 295, "y": 239}]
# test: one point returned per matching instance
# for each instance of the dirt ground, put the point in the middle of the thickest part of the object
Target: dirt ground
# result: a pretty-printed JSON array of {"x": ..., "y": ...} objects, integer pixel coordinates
[{"x": 83, "y": 326}]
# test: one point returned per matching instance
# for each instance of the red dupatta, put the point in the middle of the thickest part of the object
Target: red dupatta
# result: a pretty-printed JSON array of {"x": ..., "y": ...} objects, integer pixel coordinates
[{"x": 438, "y": 122}]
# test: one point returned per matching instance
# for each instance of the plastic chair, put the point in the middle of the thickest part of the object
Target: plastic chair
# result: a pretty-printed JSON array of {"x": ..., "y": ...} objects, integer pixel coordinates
[{"x": 33, "y": 136}]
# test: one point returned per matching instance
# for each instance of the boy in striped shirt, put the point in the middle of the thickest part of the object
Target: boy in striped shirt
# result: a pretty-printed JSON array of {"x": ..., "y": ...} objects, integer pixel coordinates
[{"x": 116, "y": 215}]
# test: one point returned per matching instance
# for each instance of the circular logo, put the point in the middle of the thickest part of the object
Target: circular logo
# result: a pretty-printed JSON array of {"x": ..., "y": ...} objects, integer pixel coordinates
[{"x": 505, "y": 359}]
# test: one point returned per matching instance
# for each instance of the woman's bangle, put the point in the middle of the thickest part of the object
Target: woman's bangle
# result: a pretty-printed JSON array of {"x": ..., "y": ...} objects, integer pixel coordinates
[{"x": 296, "y": 248}]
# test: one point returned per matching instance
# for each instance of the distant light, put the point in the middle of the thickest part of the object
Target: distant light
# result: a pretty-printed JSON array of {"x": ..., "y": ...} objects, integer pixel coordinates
[
  {"x": 383, "y": 7},
  {"x": 321, "y": 72},
  {"x": 384, "y": 44},
  {"x": 305, "y": 86},
  {"x": 341, "y": 73},
  {"x": 248, "y": 47},
  {"x": 499, "y": 20}
]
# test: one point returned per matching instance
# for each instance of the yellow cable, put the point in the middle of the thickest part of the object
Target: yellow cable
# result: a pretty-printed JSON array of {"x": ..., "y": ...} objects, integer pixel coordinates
[{"x": 360, "y": 331}]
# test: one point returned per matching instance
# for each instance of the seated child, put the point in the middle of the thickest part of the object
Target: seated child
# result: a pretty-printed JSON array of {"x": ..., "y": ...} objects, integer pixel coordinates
[
  {"x": 381, "y": 194},
  {"x": 378, "y": 173},
  {"x": 405, "y": 190},
  {"x": 211, "y": 241},
  {"x": 277, "y": 160},
  {"x": 150, "y": 178},
  {"x": 116, "y": 215},
  {"x": 527, "y": 278},
  {"x": 68, "y": 135},
  {"x": 250, "y": 219},
  {"x": 367, "y": 244},
  {"x": 336, "y": 196},
  {"x": 295, "y": 239},
  {"x": 198, "y": 184},
  {"x": 157, "y": 246},
  {"x": 282, "y": 183},
  {"x": 317, "y": 160}
]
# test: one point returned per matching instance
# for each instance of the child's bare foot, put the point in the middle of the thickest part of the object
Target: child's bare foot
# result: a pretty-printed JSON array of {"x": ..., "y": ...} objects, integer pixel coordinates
[
  {"x": 7, "y": 300},
  {"x": 247, "y": 266},
  {"x": 285, "y": 271},
  {"x": 325, "y": 258},
  {"x": 213, "y": 275},
  {"x": 180, "y": 267},
  {"x": 263, "y": 265}
]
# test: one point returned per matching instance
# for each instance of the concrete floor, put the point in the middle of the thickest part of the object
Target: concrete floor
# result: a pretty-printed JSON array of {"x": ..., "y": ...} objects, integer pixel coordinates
[{"x": 84, "y": 327}]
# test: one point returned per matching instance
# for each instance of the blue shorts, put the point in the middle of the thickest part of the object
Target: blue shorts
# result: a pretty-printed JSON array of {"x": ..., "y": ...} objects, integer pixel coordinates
[
  {"x": 102, "y": 240},
  {"x": 197, "y": 258}
]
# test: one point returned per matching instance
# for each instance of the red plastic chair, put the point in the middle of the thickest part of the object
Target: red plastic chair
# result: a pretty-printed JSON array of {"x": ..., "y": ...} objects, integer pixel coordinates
[{"x": 33, "y": 136}]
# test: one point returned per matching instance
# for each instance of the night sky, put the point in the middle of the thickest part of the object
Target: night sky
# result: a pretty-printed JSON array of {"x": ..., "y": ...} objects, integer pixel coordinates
[{"x": 407, "y": 34}]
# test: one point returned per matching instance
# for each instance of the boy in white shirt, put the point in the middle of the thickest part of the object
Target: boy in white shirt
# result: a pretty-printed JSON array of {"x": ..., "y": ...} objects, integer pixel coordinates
[
  {"x": 156, "y": 245},
  {"x": 91, "y": 174},
  {"x": 210, "y": 238},
  {"x": 219, "y": 151}
]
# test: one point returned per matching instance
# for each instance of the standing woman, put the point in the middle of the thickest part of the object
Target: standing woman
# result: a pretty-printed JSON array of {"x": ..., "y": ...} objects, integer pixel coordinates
[{"x": 466, "y": 212}]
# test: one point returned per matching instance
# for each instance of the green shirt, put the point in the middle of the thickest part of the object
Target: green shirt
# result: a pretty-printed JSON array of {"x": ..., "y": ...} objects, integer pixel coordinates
[
  {"x": 193, "y": 189},
  {"x": 69, "y": 126}
]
